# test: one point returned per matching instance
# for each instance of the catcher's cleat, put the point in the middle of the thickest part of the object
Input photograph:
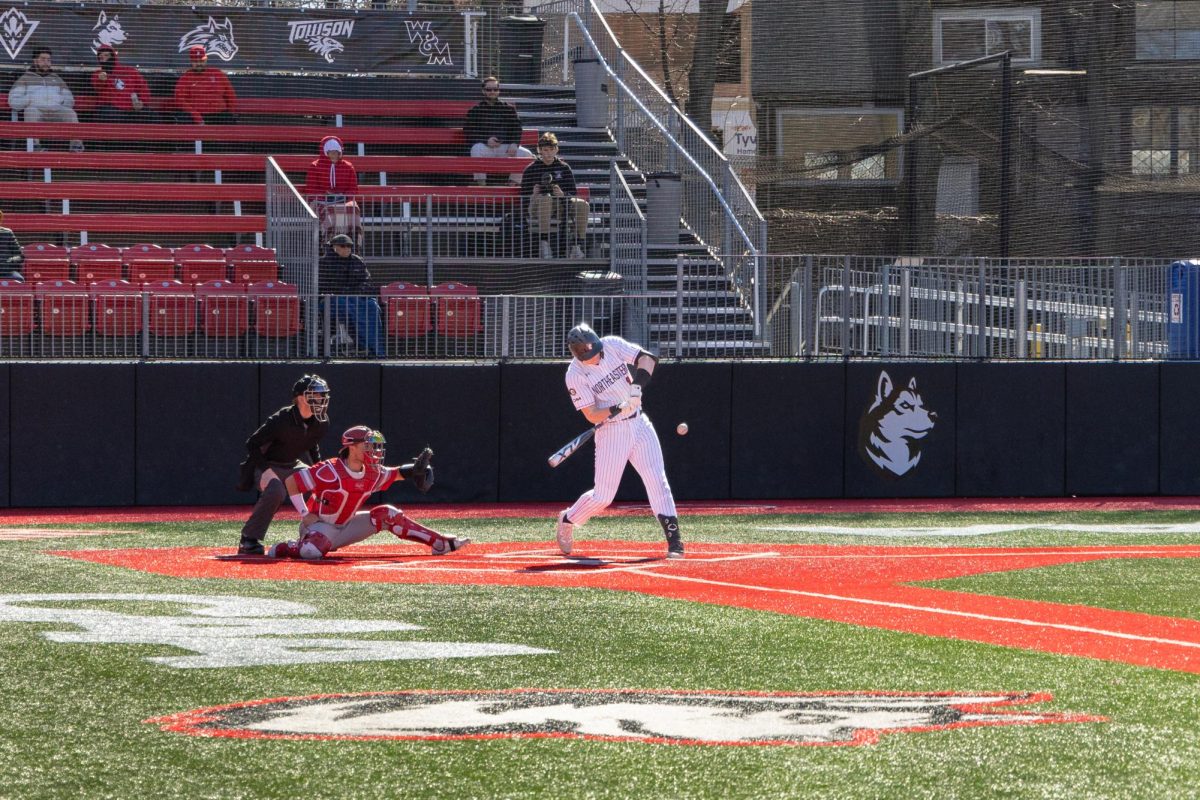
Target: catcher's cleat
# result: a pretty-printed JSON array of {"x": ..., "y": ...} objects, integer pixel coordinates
[
  {"x": 565, "y": 533},
  {"x": 284, "y": 550},
  {"x": 448, "y": 544},
  {"x": 670, "y": 527},
  {"x": 250, "y": 547}
]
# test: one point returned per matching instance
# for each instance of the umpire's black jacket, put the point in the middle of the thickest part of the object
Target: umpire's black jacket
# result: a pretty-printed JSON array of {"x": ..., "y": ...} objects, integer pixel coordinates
[{"x": 284, "y": 437}]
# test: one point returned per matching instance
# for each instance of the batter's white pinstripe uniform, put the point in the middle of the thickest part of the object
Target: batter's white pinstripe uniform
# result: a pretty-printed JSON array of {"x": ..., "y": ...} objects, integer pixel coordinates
[{"x": 628, "y": 437}]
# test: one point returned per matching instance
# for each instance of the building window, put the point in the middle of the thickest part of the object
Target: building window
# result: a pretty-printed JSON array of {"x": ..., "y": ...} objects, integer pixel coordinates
[
  {"x": 1164, "y": 140},
  {"x": 1168, "y": 30},
  {"x": 835, "y": 145},
  {"x": 975, "y": 33}
]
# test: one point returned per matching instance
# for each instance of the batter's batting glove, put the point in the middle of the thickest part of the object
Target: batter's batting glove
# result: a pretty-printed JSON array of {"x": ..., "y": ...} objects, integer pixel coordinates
[
  {"x": 635, "y": 390},
  {"x": 420, "y": 471}
]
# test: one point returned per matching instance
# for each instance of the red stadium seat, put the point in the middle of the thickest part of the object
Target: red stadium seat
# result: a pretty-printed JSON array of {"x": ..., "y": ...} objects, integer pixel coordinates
[
  {"x": 224, "y": 308},
  {"x": 16, "y": 308},
  {"x": 66, "y": 308},
  {"x": 96, "y": 262},
  {"x": 459, "y": 312},
  {"x": 276, "y": 308},
  {"x": 250, "y": 263},
  {"x": 407, "y": 306},
  {"x": 172, "y": 308},
  {"x": 118, "y": 308},
  {"x": 149, "y": 262},
  {"x": 46, "y": 262},
  {"x": 200, "y": 263}
]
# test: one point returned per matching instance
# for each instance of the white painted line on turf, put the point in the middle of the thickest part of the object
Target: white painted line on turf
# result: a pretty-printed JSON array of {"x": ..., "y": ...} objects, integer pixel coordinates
[{"x": 931, "y": 610}]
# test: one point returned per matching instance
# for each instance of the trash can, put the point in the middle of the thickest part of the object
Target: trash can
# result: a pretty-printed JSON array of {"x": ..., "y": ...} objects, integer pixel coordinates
[
  {"x": 663, "y": 193},
  {"x": 1183, "y": 317},
  {"x": 599, "y": 304},
  {"x": 591, "y": 94},
  {"x": 521, "y": 49}
]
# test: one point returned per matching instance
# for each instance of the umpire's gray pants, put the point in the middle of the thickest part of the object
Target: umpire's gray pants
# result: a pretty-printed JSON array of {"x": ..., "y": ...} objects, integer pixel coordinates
[{"x": 270, "y": 483}]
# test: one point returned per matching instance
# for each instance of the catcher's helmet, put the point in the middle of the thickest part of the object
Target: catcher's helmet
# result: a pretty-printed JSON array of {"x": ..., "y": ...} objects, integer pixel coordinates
[
  {"x": 583, "y": 342},
  {"x": 361, "y": 434},
  {"x": 315, "y": 390}
]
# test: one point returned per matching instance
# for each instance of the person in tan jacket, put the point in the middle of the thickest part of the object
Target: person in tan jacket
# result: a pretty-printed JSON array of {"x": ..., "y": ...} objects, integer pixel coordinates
[{"x": 43, "y": 95}]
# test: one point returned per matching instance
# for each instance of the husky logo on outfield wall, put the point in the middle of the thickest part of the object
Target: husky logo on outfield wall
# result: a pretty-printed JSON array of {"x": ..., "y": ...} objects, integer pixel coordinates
[
  {"x": 216, "y": 39},
  {"x": 321, "y": 35},
  {"x": 626, "y": 715},
  {"x": 108, "y": 31},
  {"x": 233, "y": 631},
  {"x": 15, "y": 30},
  {"x": 890, "y": 432}
]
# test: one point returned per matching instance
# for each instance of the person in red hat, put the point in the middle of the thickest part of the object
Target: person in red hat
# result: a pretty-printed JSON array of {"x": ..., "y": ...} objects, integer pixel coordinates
[
  {"x": 330, "y": 186},
  {"x": 122, "y": 94},
  {"x": 204, "y": 94}
]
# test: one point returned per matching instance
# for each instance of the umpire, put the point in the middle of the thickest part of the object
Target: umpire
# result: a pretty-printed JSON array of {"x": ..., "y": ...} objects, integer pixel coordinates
[{"x": 273, "y": 453}]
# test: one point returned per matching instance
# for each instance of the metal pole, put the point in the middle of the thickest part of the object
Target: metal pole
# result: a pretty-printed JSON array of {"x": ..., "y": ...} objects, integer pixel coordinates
[
  {"x": 1006, "y": 108},
  {"x": 910, "y": 171}
]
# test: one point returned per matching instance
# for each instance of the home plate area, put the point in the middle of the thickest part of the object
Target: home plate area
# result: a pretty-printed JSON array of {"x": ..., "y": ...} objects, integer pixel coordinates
[{"x": 867, "y": 586}]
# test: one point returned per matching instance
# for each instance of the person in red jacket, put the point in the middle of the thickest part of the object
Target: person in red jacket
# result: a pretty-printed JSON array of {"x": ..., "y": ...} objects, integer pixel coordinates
[
  {"x": 122, "y": 94},
  {"x": 204, "y": 94},
  {"x": 330, "y": 186}
]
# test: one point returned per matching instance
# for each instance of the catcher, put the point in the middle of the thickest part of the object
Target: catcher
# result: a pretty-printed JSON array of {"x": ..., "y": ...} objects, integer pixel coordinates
[{"x": 330, "y": 518}]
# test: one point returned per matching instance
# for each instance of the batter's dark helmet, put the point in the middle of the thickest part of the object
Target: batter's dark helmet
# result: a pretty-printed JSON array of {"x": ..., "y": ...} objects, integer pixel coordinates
[{"x": 583, "y": 342}]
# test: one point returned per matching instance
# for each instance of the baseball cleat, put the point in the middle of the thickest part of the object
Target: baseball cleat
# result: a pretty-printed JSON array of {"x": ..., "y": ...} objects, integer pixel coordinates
[
  {"x": 448, "y": 544},
  {"x": 670, "y": 526},
  {"x": 284, "y": 550},
  {"x": 250, "y": 547},
  {"x": 564, "y": 533}
]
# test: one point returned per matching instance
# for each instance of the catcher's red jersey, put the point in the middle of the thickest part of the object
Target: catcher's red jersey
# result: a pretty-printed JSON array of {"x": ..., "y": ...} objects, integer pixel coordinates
[{"x": 337, "y": 493}]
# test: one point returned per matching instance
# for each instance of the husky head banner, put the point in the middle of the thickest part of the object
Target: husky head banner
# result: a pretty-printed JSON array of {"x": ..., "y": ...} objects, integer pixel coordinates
[{"x": 890, "y": 433}]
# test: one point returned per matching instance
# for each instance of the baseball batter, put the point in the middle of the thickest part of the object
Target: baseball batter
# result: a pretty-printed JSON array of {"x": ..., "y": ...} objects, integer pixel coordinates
[
  {"x": 605, "y": 380},
  {"x": 330, "y": 518}
]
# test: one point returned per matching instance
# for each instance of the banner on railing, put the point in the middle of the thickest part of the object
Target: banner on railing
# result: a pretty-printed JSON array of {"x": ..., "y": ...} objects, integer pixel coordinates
[{"x": 329, "y": 40}]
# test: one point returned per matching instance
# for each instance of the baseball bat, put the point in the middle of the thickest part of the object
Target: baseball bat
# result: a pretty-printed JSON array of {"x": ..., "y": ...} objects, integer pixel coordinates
[{"x": 568, "y": 449}]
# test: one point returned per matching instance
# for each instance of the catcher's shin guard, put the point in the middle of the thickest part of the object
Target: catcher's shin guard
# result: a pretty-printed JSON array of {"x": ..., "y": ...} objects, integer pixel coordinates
[{"x": 392, "y": 520}]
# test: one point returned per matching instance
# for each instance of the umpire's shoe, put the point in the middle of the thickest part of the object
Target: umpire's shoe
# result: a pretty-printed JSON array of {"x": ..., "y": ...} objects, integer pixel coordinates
[
  {"x": 564, "y": 533},
  {"x": 250, "y": 547},
  {"x": 670, "y": 527}
]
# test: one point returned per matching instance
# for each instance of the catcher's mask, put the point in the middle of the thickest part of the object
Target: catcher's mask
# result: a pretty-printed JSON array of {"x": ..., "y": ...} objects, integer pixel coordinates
[
  {"x": 315, "y": 390},
  {"x": 583, "y": 342},
  {"x": 361, "y": 434}
]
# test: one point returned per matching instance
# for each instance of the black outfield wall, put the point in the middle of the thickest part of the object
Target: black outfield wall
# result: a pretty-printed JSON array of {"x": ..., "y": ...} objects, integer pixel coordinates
[{"x": 173, "y": 434}]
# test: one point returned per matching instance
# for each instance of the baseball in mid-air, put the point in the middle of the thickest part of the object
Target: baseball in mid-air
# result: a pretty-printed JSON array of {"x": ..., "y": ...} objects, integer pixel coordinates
[{"x": 681, "y": 429}]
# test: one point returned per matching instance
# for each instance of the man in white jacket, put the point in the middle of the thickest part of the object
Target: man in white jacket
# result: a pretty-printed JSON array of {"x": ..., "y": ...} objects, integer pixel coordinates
[{"x": 44, "y": 95}]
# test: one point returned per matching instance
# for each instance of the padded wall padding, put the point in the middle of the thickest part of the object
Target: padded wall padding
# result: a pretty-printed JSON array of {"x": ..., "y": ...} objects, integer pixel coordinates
[
  {"x": 192, "y": 421},
  {"x": 787, "y": 430},
  {"x": 1112, "y": 429},
  {"x": 1010, "y": 438},
  {"x": 1179, "y": 456},
  {"x": 456, "y": 411},
  {"x": 73, "y": 436},
  {"x": 698, "y": 464},
  {"x": 900, "y": 429},
  {"x": 537, "y": 418}
]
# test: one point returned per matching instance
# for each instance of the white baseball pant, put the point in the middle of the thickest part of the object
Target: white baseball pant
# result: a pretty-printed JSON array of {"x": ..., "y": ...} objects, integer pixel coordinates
[{"x": 618, "y": 442}]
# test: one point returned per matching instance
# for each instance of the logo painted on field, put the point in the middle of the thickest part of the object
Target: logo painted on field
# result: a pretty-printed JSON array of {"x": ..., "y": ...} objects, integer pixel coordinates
[
  {"x": 215, "y": 38},
  {"x": 626, "y": 715},
  {"x": 890, "y": 431},
  {"x": 233, "y": 631},
  {"x": 15, "y": 30},
  {"x": 321, "y": 35},
  {"x": 912, "y": 531}
]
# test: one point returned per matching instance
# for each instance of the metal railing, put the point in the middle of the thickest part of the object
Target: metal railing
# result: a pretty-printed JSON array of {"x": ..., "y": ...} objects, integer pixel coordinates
[
  {"x": 878, "y": 307},
  {"x": 627, "y": 250},
  {"x": 293, "y": 231}
]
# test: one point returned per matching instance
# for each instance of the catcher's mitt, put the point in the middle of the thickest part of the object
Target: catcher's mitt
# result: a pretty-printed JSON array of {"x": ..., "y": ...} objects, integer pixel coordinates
[{"x": 420, "y": 471}]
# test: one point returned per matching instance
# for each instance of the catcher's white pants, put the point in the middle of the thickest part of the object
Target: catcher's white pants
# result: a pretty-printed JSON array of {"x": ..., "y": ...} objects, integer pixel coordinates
[{"x": 618, "y": 442}]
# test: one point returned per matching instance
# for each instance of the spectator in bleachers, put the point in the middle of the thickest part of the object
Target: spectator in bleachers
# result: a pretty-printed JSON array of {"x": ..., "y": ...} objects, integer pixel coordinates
[
  {"x": 122, "y": 94},
  {"x": 548, "y": 187},
  {"x": 344, "y": 276},
  {"x": 330, "y": 186},
  {"x": 12, "y": 257},
  {"x": 493, "y": 129},
  {"x": 204, "y": 94},
  {"x": 43, "y": 95}
]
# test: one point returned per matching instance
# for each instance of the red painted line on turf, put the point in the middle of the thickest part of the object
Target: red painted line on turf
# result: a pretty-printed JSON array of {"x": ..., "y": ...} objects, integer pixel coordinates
[
  {"x": 46, "y": 516},
  {"x": 868, "y": 586}
]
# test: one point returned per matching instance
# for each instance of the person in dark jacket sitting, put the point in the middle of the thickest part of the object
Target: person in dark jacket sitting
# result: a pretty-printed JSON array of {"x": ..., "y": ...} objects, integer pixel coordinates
[
  {"x": 345, "y": 277},
  {"x": 493, "y": 130},
  {"x": 12, "y": 257}
]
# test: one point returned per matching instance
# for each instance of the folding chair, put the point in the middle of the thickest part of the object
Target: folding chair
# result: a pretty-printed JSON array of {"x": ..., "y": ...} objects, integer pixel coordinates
[
  {"x": 459, "y": 311},
  {"x": 276, "y": 309},
  {"x": 46, "y": 262},
  {"x": 172, "y": 308},
  {"x": 118, "y": 308},
  {"x": 148, "y": 263},
  {"x": 97, "y": 262},
  {"x": 66, "y": 308},
  {"x": 200, "y": 263},
  {"x": 250, "y": 263},
  {"x": 224, "y": 309},
  {"x": 16, "y": 308},
  {"x": 407, "y": 308}
]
